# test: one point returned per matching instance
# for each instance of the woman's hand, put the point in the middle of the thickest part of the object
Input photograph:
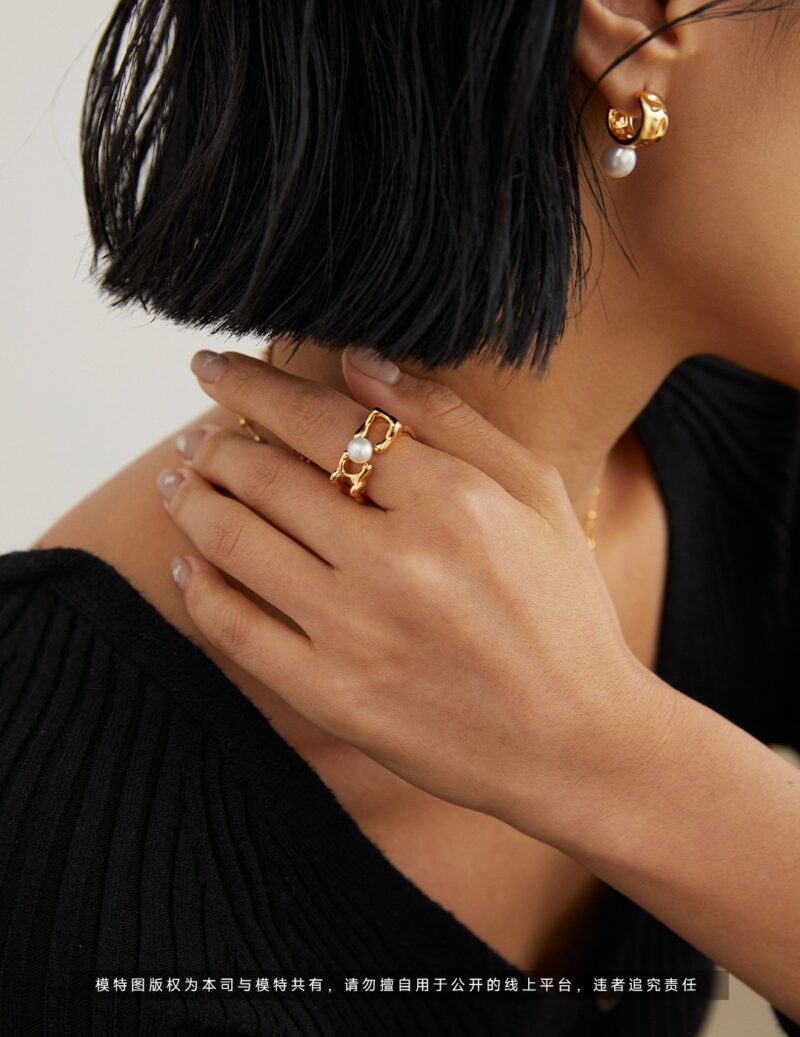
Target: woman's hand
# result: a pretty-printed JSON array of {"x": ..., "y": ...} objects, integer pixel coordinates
[{"x": 458, "y": 630}]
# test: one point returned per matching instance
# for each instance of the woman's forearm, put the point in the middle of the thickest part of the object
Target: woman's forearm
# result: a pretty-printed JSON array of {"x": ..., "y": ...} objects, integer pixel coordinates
[{"x": 700, "y": 825}]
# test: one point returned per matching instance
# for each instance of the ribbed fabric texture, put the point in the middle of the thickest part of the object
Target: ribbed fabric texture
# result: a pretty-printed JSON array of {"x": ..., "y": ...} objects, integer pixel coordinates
[{"x": 152, "y": 822}]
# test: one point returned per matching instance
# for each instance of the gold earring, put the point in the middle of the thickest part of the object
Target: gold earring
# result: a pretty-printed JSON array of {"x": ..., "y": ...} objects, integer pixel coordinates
[{"x": 619, "y": 158}]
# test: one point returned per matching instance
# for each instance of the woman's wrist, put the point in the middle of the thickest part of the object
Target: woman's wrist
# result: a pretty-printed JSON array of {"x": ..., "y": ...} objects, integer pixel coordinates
[{"x": 611, "y": 765}]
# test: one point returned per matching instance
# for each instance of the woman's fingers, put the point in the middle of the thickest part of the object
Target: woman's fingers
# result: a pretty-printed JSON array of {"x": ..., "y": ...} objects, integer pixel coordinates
[
  {"x": 235, "y": 539},
  {"x": 320, "y": 422},
  {"x": 295, "y": 497}
]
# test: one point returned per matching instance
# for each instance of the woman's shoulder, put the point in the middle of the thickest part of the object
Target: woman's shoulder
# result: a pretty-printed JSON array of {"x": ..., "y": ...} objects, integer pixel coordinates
[
  {"x": 93, "y": 597},
  {"x": 110, "y": 554},
  {"x": 124, "y": 523},
  {"x": 112, "y": 719}
]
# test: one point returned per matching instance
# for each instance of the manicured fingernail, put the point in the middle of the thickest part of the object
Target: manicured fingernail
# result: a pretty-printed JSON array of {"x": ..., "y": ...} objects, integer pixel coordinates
[
  {"x": 208, "y": 365},
  {"x": 188, "y": 441},
  {"x": 167, "y": 481},
  {"x": 181, "y": 571},
  {"x": 371, "y": 363}
]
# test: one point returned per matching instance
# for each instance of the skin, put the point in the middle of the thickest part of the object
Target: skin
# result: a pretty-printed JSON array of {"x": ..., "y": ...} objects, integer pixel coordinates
[{"x": 485, "y": 513}]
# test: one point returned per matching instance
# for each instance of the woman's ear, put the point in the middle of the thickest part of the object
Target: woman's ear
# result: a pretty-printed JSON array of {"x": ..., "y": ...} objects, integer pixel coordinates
[{"x": 608, "y": 28}]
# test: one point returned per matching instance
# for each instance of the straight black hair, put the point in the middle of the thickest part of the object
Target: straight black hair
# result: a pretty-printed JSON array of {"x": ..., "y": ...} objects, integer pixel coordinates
[{"x": 398, "y": 173}]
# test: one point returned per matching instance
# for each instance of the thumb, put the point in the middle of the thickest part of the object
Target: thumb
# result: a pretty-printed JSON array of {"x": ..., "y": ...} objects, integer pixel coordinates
[{"x": 441, "y": 419}]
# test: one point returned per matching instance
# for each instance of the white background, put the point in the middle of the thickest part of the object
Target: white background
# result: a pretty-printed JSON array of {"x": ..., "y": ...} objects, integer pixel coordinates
[{"x": 83, "y": 388}]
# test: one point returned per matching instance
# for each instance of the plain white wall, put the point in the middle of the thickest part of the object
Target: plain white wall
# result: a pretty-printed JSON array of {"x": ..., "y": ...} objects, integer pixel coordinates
[{"x": 77, "y": 377}]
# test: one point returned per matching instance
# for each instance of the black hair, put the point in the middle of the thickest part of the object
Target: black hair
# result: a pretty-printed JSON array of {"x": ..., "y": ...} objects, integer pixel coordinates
[{"x": 398, "y": 173}]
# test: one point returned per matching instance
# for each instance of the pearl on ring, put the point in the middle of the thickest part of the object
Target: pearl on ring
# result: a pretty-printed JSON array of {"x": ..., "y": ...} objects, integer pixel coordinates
[
  {"x": 618, "y": 161},
  {"x": 359, "y": 449}
]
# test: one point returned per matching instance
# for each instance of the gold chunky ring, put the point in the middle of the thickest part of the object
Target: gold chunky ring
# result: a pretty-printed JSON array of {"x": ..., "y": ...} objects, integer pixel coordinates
[{"x": 360, "y": 449}]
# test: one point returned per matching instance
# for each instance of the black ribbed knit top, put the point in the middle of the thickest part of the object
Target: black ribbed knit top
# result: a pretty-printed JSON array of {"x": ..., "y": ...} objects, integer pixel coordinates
[{"x": 154, "y": 825}]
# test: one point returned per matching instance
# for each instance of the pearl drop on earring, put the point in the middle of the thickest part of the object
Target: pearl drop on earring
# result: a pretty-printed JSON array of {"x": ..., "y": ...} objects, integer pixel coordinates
[{"x": 618, "y": 161}]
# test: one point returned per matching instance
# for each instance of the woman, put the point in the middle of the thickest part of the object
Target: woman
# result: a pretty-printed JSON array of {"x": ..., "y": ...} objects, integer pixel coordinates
[{"x": 514, "y": 714}]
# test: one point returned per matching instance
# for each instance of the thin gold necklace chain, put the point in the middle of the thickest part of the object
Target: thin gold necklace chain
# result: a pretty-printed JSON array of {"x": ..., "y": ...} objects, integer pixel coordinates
[{"x": 589, "y": 519}]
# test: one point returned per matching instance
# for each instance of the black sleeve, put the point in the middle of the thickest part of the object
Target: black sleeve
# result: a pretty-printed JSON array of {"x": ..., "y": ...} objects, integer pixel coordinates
[{"x": 89, "y": 788}]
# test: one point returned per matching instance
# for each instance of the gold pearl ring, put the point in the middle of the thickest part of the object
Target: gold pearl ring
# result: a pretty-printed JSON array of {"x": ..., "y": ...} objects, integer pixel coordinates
[{"x": 360, "y": 449}]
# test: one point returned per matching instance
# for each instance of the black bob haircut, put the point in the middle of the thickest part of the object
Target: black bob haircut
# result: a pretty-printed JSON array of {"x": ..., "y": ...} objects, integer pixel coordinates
[{"x": 398, "y": 173}]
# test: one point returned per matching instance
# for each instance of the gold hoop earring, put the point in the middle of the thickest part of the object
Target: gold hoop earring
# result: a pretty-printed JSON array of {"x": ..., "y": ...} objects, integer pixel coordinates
[{"x": 619, "y": 158}]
